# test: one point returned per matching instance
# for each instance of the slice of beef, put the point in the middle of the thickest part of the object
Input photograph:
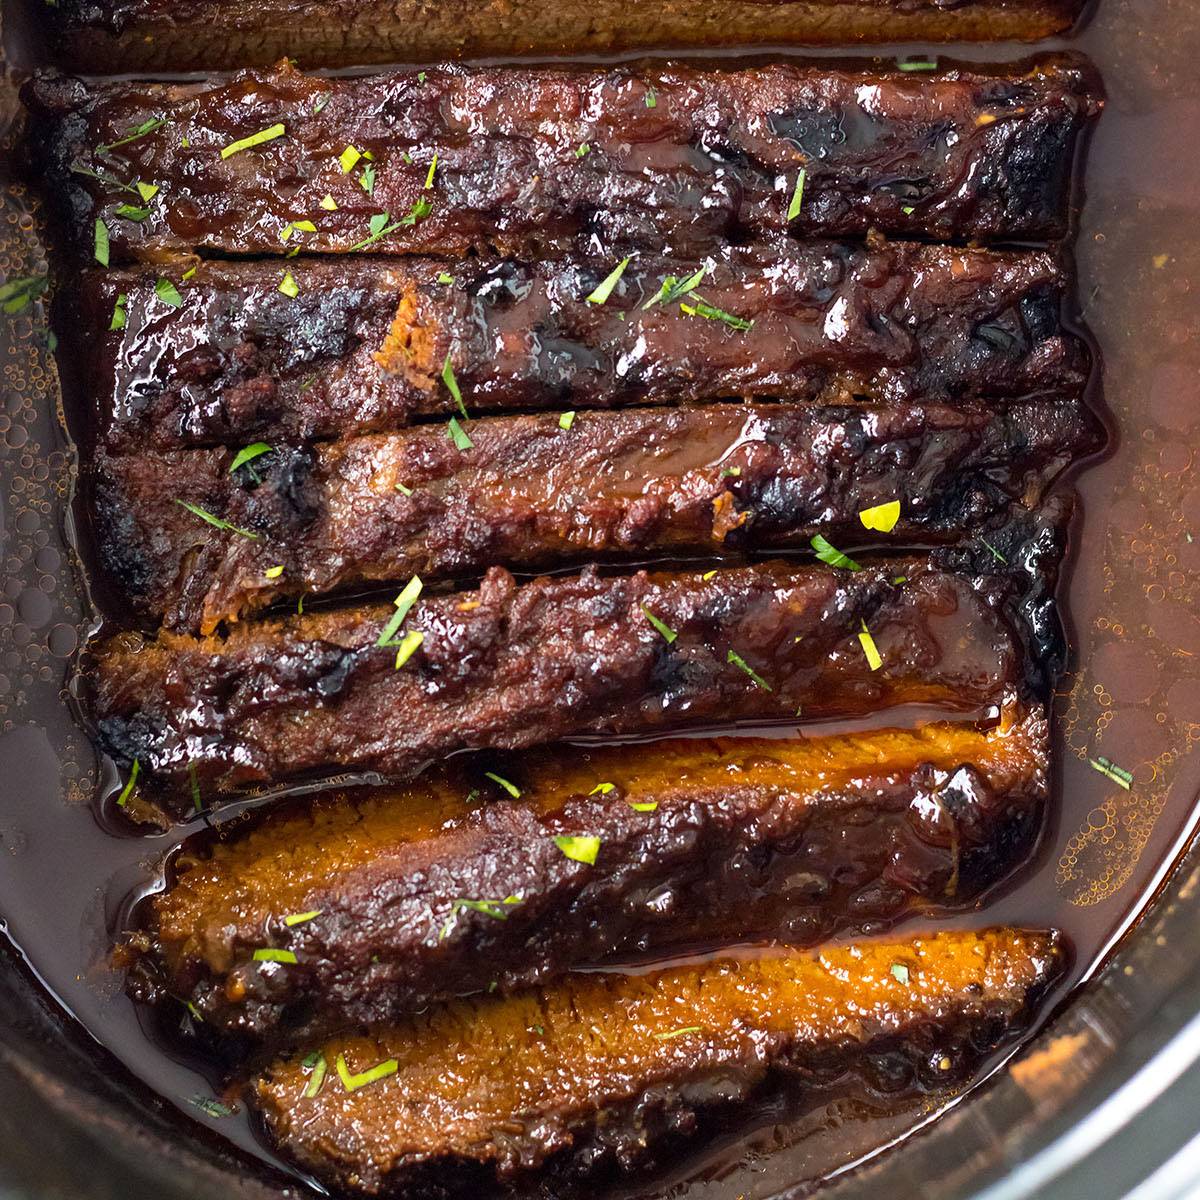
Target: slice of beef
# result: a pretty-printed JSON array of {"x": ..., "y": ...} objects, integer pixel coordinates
[
  {"x": 362, "y": 345},
  {"x": 527, "y": 493},
  {"x": 394, "y": 900},
  {"x": 508, "y": 666},
  {"x": 673, "y": 157},
  {"x": 190, "y": 35},
  {"x": 610, "y": 1068}
]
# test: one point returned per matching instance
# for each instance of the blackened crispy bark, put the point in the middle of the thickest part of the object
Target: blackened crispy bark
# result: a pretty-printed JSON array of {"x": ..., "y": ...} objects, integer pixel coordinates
[
  {"x": 679, "y": 157},
  {"x": 396, "y": 900},
  {"x": 600, "y": 1070},
  {"x": 179, "y": 35},
  {"x": 509, "y": 666},
  {"x": 362, "y": 346},
  {"x": 528, "y": 494}
]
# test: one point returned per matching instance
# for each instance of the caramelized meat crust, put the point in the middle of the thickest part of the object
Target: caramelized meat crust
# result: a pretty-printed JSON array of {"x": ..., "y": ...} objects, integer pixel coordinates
[
  {"x": 680, "y": 156},
  {"x": 361, "y": 346},
  {"x": 603, "y": 1068},
  {"x": 395, "y": 900},
  {"x": 528, "y": 493},
  {"x": 509, "y": 666},
  {"x": 182, "y": 35}
]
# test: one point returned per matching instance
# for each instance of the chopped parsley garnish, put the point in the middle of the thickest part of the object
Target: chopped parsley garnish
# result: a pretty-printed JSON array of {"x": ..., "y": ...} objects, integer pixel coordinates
[
  {"x": 445, "y": 277},
  {"x": 147, "y": 191},
  {"x": 167, "y": 292},
  {"x": 366, "y": 180},
  {"x": 118, "y": 316},
  {"x": 432, "y": 172},
  {"x": 353, "y": 1082},
  {"x": 708, "y": 575},
  {"x": 730, "y": 472},
  {"x": 215, "y": 521},
  {"x": 348, "y": 159},
  {"x": 797, "y": 201},
  {"x": 510, "y": 788},
  {"x": 582, "y": 150},
  {"x": 131, "y": 212},
  {"x": 272, "y": 954},
  {"x": 101, "y": 243},
  {"x": 742, "y": 665},
  {"x": 18, "y": 294},
  {"x": 403, "y": 602},
  {"x": 138, "y": 131},
  {"x": 1110, "y": 770},
  {"x": 255, "y": 139},
  {"x": 667, "y": 632},
  {"x": 130, "y": 784},
  {"x": 403, "y": 489},
  {"x": 319, "y": 1068},
  {"x": 881, "y": 517},
  {"x": 566, "y": 420},
  {"x": 604, "y": 288},
  {"x": 579, "y": 847},
  {"x": 274, "y": 572},
  {"x": 321, "y": 101},
  {"x": 918, "y": 64},
  {"x": 874, "y": 659},
  {"x": 672, "y": 289},
  {"x": 642, "y": 805},
  {"x": 674, "y": 1033},
  {"x": 408, "y": 646},
  {"x": 302, "y": 918},
  {"x": 602, "y": 789},
  {"x": 489, "y": 908},
  {"x": 248, "y": 454},
  {"x": 702, "y": 308},
  {"x": 651, "y": 99},
  {"x": 830, "y": 554},
  {"x": 900, "y": 973},
  {"x": 448, "y": 378},
  {"x": 458, "y": 435},
  {"x": 328, "y": 203},
  {"x": 211, "y": 1107},
  {"x": 994, "y": 552},
  {"x": 380, "y": 227}
]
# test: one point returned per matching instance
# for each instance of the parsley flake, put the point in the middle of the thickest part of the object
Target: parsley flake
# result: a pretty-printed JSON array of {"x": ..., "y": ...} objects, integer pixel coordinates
[
  {"x": 255, "y": 139},
  {"x": 663, "y": 628},
  {"x": 797, "y": 195},
  {"x": 604, "y": 288},
  {"x": 215, "y": 521},
  {"x": 828, "y": 553},
  {"x": 881, "y": 517},
  {"x": 1110, "y": 770},
  {"x": 581, "y": 848},
  {"x": 742, "y": 665},
  {"x": 353, "y": 1082}
]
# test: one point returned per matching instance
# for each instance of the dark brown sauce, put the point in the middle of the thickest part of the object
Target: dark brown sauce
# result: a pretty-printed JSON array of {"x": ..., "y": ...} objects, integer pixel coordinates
[{"x": 68, "y": 877}]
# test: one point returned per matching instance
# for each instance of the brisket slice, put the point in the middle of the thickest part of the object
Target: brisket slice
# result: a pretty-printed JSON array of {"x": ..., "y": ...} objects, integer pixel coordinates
[
  {"x": 362, "y": 345},
  {"x": 528, "y": 493},
  {"x": 183, "y": 35},
  {"x": 679, "y": 157},
  {"x": 508, "y": 666},
  {"x": 609, "y": 1068},
  {"x": 402, "y": 899}
]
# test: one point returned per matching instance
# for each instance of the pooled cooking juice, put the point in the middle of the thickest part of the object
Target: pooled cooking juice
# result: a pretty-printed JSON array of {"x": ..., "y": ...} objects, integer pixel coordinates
[{"x": 72, "y": 870}]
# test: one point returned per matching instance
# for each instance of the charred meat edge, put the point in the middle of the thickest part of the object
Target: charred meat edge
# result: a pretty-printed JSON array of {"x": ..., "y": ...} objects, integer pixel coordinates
[
  {"x": 117, "y": 36},
  {"x": 679, "y": 157},
  {"x": 602, "y": 1068},
  {"x": 390, "y": 903},
  {"x": 508, "y": 666},
  {"x": 363, "y": 344},
  {"x": 528, "y": 493}
]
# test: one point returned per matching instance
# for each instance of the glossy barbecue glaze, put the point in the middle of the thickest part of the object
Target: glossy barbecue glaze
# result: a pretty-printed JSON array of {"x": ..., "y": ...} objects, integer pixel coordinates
[
  {"x": 362, "y": 345},
  {"x": 397, "y": 899},
  {"x": 608, "y": 1067},
  {"x": 527, "y": 493},
  {"x": 679, "y": 157},
  {"x": 510, "y": 666},
  {"x": 175, "y": 35}
]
